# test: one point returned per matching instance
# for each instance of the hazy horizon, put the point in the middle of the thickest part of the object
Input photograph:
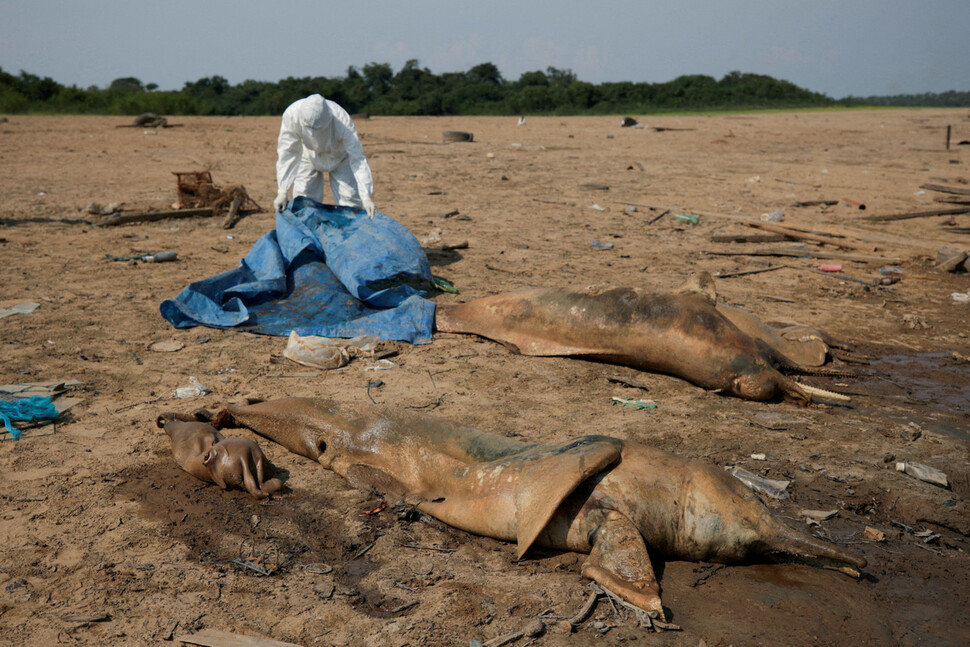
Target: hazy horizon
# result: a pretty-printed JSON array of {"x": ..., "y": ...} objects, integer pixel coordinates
[{"x": 857, "y": 48}]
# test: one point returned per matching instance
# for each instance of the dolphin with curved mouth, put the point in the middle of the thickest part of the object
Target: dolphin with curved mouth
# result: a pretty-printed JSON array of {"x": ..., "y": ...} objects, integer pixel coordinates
[
  {"x": 615, "y": 500},
  {"x": 683, "y": 333}
]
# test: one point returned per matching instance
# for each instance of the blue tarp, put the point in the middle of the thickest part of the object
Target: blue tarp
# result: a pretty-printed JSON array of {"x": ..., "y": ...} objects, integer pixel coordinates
[{"x": 324, "y": 271}]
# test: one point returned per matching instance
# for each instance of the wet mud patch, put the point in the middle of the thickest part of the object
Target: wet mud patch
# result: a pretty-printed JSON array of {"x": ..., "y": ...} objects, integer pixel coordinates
[{"x": 937, "y": 384}]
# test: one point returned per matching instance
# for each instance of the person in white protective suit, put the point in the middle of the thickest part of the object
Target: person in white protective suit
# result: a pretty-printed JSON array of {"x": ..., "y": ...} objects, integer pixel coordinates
[{"x": 317, "y": 136}]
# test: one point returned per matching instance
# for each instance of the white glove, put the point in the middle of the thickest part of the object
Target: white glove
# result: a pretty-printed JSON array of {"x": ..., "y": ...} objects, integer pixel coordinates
[
  {"x": 368, "y": 205},
  {"x": 280, "y": 201}
]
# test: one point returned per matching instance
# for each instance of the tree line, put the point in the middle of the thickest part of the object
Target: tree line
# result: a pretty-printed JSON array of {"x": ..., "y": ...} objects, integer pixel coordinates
[{"x": 377, "y": 89}]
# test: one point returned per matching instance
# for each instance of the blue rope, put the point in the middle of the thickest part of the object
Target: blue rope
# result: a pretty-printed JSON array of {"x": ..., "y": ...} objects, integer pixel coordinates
[{"x": 37, "y": 407}]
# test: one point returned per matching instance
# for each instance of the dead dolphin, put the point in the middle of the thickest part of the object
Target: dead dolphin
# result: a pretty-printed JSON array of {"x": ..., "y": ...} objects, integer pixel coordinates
[
  {"x": 683, "y": 333},
  {"x": 200, "y": 450},
  {"x": 191, "y": 440},
  {"x": 595, "y": 494},
  {"x": 239, "y": 463}
]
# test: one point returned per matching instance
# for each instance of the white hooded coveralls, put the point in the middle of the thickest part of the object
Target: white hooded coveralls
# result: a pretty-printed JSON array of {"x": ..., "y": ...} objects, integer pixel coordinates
[{"x": 317, "y": 136}]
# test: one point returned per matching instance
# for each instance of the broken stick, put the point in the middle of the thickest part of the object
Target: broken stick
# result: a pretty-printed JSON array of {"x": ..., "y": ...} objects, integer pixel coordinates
[
  {"x": 921, "y": 214},
  {"x": 150, "y": 216},
  {"x": 791, "y": 233}
]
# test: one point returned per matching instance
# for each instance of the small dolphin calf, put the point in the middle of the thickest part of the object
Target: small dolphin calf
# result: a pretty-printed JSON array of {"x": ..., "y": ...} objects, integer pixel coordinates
[
  {"x": 683, "y": 333},
  {"x": 595, "y": 494}
]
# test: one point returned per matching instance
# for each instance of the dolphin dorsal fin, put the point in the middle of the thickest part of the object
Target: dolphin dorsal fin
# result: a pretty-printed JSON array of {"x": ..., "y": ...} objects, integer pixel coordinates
[
  {"x": 700, "y": 283},
  {"x": 550, "y": 474}
]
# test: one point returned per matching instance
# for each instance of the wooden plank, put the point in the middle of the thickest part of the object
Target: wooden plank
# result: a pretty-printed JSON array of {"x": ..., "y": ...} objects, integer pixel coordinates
[
  {"x": 216, "y": 638},
  {"x": 942, "y": 188}
]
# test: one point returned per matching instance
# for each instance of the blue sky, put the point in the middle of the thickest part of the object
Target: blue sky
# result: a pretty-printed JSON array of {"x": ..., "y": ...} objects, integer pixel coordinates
[{"x": 839, "y": 48}]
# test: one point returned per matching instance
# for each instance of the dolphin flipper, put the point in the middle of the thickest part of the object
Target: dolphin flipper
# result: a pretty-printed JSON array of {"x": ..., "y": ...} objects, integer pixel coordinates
[
  {"x": 619, "y": 562},
  {"x": 550, "y": 474}
]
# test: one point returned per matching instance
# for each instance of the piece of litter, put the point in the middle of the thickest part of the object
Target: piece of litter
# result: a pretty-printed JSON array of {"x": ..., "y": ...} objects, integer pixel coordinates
[
  {"x": 37, "y": 407},
  {"x": 381, "y": 365},
  {"x": 687, "y": 218},
  {"x": 924, "y": 473},
  {"x": 636, "y": 405},
  {"x": 819, "y": 515},
  {"x": 873, "y": 534},
  {"x": 774, "y": 489},
  {"x": 960, "y": 297},
  {"x": 759, "y": 457},
  {"x": 20, "y": 309},
  {"x": 598, "y": 245},
  {"x": 774, "y": 216},
  {"x": 597, "y": 207},
  {"x": 195, "y": 390},
  {"x": 326, "y": 352},
  {"x": 835, "y": 267}
]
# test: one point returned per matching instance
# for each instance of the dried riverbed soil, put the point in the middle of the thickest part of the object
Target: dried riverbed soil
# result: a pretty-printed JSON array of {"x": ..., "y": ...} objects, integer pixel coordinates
[{"x": 104, "y": 540}]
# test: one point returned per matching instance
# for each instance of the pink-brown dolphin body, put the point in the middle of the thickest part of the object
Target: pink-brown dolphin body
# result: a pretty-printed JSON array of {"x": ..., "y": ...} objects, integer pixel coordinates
[
  {"x": 595, "y": 494},
  {"x": 682, "y": 333}
]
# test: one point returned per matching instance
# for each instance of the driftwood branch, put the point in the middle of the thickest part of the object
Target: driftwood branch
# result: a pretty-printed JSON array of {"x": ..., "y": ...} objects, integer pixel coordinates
[
  {"x": 791, "y": 233},
  {"x": 810, "y": 253},
  {"x": 920, "y": 214},
  {"x": 945, "y": 189},
  {"x": 151, "y": 216}
]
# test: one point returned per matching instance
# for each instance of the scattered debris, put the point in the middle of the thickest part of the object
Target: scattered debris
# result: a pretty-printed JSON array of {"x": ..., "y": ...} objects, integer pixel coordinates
[
  {"x": 29, "y": 409},
  {"x": 615, "y": 379},
  {"x": 774, "y": 216},
  {"x": 952, "y": 260},
  {"x": 20, "y": 309},
  {"x": 598, "y": 245},
  {"x": 197, "y": 196},
  {"x": 326, "y": 352},
  {"x": 149, "y": 120},
  {"x": 457, "y": 136},
  {"x": 924, "y": 473},
  {"x": 636, "y": 405},
  {"x": 819, "y": 515},
  {"x": 834, "y": 267},
  {"x": 194, "y": 390},
  {"x": 759, "y": 457},
  {"x": 96, "y": 209},
  {"x": 921, "y": 214},
  {"x": 159, "y": 257},
  {"x": 434, "y": 236},
  {"x": 216, "y": 638},
  {"x": 630, "y": 122},
  {"x": 873, "y": 534},
  {"x": 774, "y": 488},
  {"x": 687, "y": 218},
  {"x": 381, "y": 365}
]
